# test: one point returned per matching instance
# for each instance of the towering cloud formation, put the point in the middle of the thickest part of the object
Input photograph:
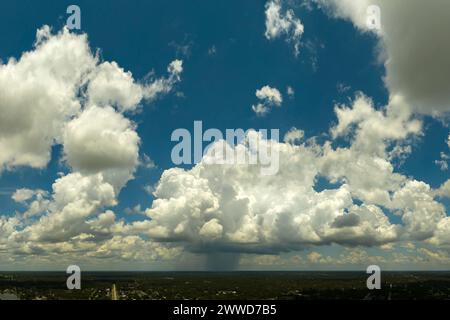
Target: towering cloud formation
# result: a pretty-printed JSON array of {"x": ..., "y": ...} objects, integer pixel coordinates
[
  {"x": 38, "y": 94},
  {"x": 60, "y": 93},
  {"x": 233, "y": 208}
]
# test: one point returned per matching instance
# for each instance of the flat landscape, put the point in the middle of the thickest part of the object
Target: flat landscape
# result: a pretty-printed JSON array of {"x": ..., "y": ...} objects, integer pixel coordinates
[{"x": 224, "y": 285}]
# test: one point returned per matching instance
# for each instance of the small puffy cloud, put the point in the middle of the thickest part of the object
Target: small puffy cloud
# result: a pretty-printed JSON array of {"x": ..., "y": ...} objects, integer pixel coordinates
[
  {"x": 260, "y": 109},
  {"x": 136, "y": 210},
  {"x": 22, "y": 195},
  {"x": 294, "y": 135},
  {"x": 290, "y": 91},
  {"x": 175, "y": 68},
  {"x": 443, "y": 161},
  {"x": 283, "y": 22},
  {"x": 269, "y": 98},
  {"x": 164, "y": 85},
  {"x": 212, "y": 50},
  {"x": 342, "y": 88},
  {"x": 270, "y": 95},
  {"x": 147, "y": 162},
  {"x": 444, "y": 158}
]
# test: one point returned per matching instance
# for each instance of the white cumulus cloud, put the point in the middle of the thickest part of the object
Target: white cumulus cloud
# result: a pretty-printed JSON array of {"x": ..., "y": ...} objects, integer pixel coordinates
[
  {"x": 269, "y": 98},
  {"x": 283, "y": 22}
]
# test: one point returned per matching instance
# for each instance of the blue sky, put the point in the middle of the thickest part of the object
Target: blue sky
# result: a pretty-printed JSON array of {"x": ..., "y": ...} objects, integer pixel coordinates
[{"x": 226, "y": 58}]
